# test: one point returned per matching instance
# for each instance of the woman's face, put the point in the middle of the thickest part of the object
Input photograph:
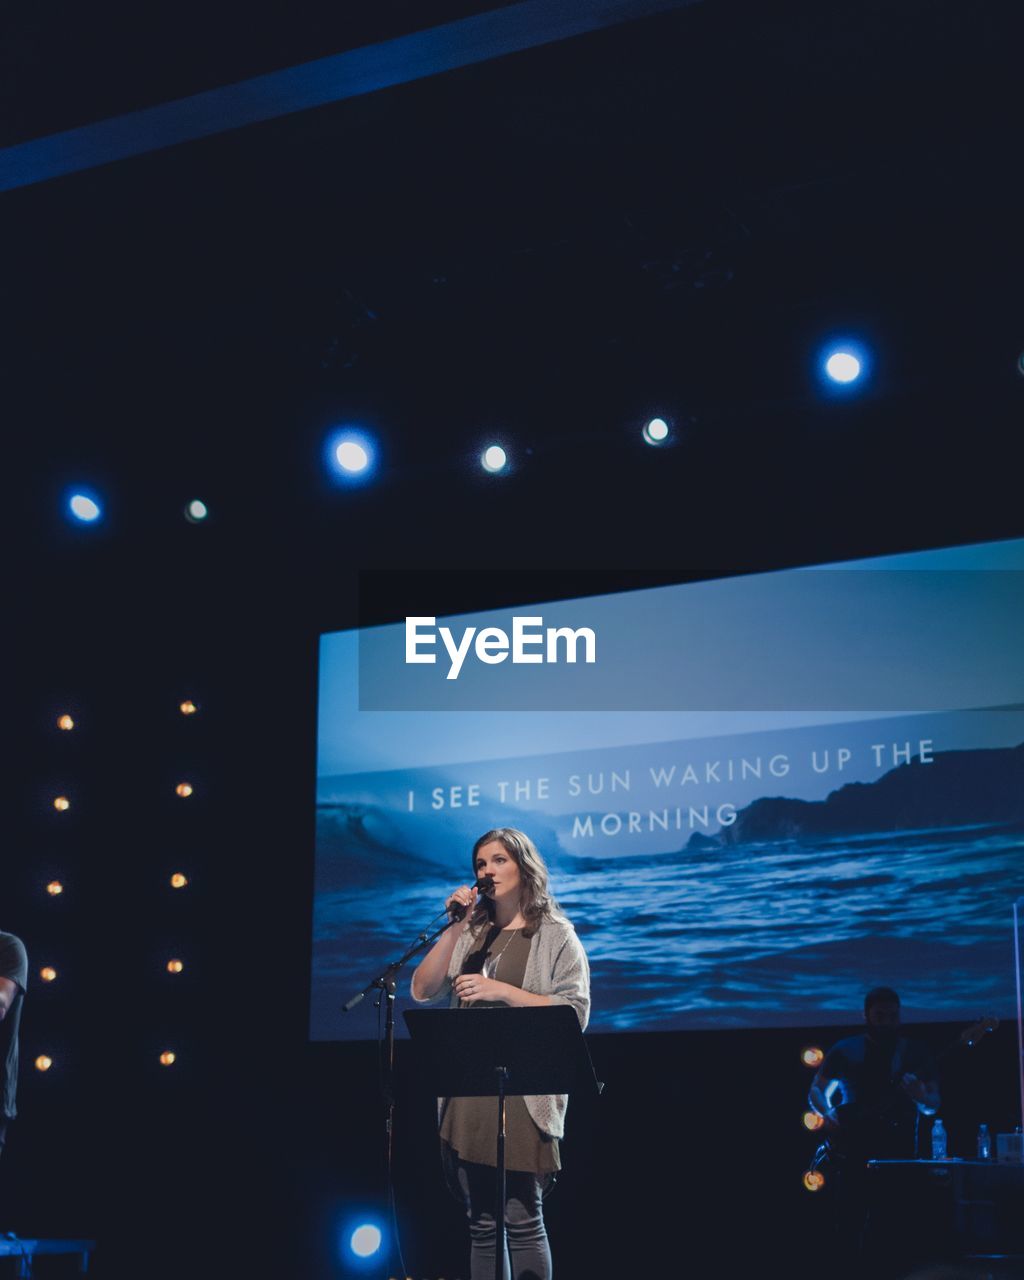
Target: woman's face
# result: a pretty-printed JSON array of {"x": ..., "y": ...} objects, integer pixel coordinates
[{"x": 494, "y": 860}]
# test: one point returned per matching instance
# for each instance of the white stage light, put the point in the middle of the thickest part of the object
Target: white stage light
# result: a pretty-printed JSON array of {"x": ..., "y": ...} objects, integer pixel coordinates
[
  {"x": 366, "y": 1240},
  {"x": 843, "y": 367},
  {"x": 494, "y": 458},
  {"x": 655, "y": 431},
  {"x": 352, "y": 457},
  {"x": 84, "y": 508}
]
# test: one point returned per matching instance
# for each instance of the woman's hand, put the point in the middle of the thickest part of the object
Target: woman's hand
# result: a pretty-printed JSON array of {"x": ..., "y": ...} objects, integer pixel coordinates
[
  {"x": 472, "y": 987},
  {"x": 463, "y": 898}
]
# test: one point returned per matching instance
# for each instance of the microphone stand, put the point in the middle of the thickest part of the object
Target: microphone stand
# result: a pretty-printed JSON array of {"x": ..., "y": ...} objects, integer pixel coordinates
[{"x": 385, "y": 981}]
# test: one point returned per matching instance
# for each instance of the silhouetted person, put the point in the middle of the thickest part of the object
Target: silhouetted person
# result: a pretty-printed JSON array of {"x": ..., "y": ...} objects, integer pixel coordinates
[
  {"x": 13, "y": 981},
  {"x": 871, "y": 1089}
]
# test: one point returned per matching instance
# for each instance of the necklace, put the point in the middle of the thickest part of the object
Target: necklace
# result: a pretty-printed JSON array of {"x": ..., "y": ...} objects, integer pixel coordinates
[{"x": 491, "y": 963}]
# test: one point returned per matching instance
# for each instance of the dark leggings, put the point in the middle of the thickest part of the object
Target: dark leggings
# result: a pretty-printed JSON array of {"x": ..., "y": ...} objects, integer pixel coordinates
[{"x": 524, "y": 1222}]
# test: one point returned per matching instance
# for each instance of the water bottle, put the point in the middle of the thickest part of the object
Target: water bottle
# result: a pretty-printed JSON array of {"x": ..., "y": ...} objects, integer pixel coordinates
[
  {"x": 938, "y": 1140},
  {"x": 984, "y": 1143}
]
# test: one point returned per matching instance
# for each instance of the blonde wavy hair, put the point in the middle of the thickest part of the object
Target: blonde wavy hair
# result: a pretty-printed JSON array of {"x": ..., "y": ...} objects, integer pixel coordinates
[{"x": 537, "y": 902}]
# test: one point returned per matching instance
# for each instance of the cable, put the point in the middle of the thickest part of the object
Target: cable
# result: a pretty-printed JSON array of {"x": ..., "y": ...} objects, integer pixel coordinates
[{"x": 389, "y": 1189}]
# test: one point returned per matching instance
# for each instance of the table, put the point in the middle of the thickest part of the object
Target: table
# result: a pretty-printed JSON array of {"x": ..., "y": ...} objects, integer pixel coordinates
[
  {"x": 978, "y": 1205},
  {"x": 26, "y": 1251}
]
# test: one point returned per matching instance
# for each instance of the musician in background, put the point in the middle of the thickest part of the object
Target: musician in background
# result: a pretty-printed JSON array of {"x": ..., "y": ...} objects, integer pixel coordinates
[
  {"x": 13, "y": 981},
  {"x": 870, "y": 1090}
]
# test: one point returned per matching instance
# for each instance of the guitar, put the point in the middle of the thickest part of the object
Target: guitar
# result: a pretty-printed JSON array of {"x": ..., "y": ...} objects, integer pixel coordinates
[{"x": 859, "y": 1123}]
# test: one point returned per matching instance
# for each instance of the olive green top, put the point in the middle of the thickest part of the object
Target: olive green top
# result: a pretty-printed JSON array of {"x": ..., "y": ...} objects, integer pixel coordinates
[{"x": 470, "y": 1125}]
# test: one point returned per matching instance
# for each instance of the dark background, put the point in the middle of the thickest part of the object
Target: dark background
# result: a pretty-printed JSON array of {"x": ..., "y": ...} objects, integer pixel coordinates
[{"x": 667, "y": 216}]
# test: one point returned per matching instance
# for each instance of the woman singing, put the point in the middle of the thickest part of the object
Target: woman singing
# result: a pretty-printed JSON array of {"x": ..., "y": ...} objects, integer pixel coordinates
[{"x": 515, "y": 948}]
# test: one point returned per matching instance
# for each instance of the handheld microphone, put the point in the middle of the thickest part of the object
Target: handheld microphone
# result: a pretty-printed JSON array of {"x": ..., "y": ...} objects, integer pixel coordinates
[{"x": 457, "y": 910}]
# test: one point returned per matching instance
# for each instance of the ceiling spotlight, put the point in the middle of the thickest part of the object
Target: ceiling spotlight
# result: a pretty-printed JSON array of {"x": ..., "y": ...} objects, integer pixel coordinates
[
  {"x": 178, "y": 881},
  {"x": 812, "y": 1120},
  {"x": 655, "y": 431},
  {"x": 84, "y": 507},
  {"x": 61, "y": 803},
  {"x": 48, "y": 974},
  {"x": 167, "y": 1058},
  {"x": 174, "y": 966},
  {"x": 196, "y": 511},
  {"x": 65, "y": 722},
  {"x": 366, "y": 1240},
  {"x": 188, "y": 707},
  {"x": 812, "y": 1057},
  {"x": 351, "y": 455},
  {"x": 184, "y": 789},
  {"x": 842, "y": 366},
  {"x": 843, "y": 363},
  {"x": 813, "y": 1180},
  {"x": 54, "y": 888},
  {"x": 494, "y": 459},
  {"x": 43, "y": 1063}
]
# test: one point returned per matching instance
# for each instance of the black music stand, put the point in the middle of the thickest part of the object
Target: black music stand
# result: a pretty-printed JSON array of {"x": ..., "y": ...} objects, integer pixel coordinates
[{"x": 485, "y": 1052}]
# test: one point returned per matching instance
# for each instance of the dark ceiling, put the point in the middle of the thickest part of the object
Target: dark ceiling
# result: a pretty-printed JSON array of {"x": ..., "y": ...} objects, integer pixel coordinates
[{"x": 670, "y": 214}]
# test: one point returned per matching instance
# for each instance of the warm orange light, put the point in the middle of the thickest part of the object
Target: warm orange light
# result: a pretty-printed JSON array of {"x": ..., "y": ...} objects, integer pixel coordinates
[
  {"x": 65, "y": 722},
  {"x": 188, "y": 707},
  {"x": 48, "y": 974},
  {"x": 60, "y": 803},
  {"x": 174, "y": 966},
  {"x": 43, "y": 1063},
  {"x": 812, "y": 1120},
  {"x": 813, "y": 1180},
  {"x": 54, "y": 887},
  {"x": 178, "y": 881},
  {"x": 812, "y": 1057},
  {"x": 167, "y": 1058},
  {"x": 184, "y": 789}
]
